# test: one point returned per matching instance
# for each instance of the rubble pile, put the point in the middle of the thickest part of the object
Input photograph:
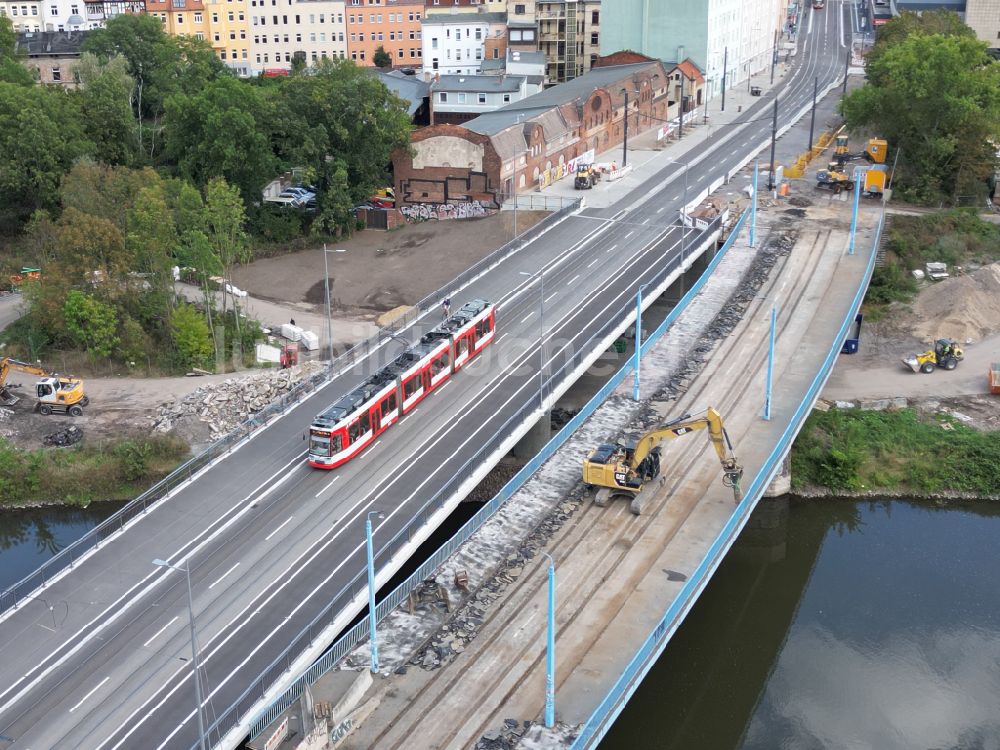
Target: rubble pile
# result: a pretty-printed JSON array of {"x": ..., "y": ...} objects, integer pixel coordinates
[
  {"x": 220, "y": 407},
  {"x": 730, "y": 315},
  {"x": 962, "y": 307},
  {"x": 63, "y": 438},
  {"x": 504, "y": 738}
]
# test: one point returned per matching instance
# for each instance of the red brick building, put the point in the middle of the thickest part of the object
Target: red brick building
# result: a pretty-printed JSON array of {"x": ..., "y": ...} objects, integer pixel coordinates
[
  {"x": 393, "y": 25},
  {"x": 530, "y": 143}
]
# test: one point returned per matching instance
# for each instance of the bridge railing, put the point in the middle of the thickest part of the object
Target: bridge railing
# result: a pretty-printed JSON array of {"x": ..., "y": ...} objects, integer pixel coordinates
[
  {"x": 597, "y": 725},
  {"x": 67, "y": 557},
  {"x": 529, "y": 409}
]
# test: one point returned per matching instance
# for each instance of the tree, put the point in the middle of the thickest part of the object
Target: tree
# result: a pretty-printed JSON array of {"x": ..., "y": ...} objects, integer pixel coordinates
[
  {"x": 108, "y": 192},
  {"x": 907, "y": 23},
  {"x": 151, "y": 240},
  {"x": 106, "y": 107},
  {"x": 91, "y": 323},
  {"x": 224, "y": 220},
  {"x": 40, "y": 137},
  {"x": 11, "y": 70},
  {"x": 937, "y": 98},
  {"x": 335, "y": 202},
  {"x": 92, "y": 251},
  {"x": 381, "y": 58},
  {"x": 220, "y": 132},
  {"x": 191, "y": 338}
]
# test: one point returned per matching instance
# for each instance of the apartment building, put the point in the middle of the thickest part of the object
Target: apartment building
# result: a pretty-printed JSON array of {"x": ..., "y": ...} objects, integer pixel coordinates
[
  {"x": 569, "y": 36},
  {"x": 734, "y": 38},
  {"x": 52, "y": 56},
  {"x": 456, "y": 99},
  {"x": 455, "y": 44},
  {"x": 181, "y": 17},
  {"x": 225, "y": 24},
  {"x": 308, "y": 30},
  {"x": 54, "y": 15},
  {"x": 983, "y": 16},
  {"x": 393, "y": 25}
]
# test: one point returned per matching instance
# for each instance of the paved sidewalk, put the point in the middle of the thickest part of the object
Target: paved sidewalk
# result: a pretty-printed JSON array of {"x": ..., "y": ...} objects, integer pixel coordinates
[{"x": 647, "y": 156}]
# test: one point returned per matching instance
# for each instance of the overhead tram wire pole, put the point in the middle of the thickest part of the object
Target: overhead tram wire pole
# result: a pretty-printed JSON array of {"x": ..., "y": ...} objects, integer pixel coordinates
[
  {"x": 725, "y": 66},
  {"x": 540, "y": 275},
  {"x": 372, "y": 619},
  {"x": 854, "y": 214},
  {"x": 812, "y": 117},
  {"x": 770, "y": 363},
  {"x": 329, "y": 320},
  {"x": 771, "y": 184},
  {"x": 550, "y": 649},
  {"x": 625, "y": 137},
  {"x": 774, "y": 56},
  {"x": 847, "y": 62},
  {"x": 753, "y": 210},
  {"x": 638, "y": 340},
  {"x": 194, "y": 648}
]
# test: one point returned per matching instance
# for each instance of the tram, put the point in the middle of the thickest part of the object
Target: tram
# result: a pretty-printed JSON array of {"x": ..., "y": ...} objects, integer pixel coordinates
[{"x": 356, "y": 419}]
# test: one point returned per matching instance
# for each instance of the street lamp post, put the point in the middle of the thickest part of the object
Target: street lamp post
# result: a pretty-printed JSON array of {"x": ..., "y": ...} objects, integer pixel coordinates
[
  {"x": 372, "y": 619},
  {"x": 540, "y": 275},
  {"x": 329, "y": 318},
  {"x": 194, "y": 648},
  {"x": 514, "y": 191}
]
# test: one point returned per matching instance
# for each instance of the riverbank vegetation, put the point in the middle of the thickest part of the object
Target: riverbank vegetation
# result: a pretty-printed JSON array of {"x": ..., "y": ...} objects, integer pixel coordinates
[
  {"x": 114, "y": 470},
  {"x": 957, "y": 237},
  {"x": 895, "y": 450}
]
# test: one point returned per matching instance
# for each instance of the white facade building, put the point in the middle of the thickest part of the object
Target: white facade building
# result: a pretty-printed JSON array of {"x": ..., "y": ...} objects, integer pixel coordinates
[
  {"x": 48, "y": 15},
  {"x": 313, "y": 30},
  {"x": 453, "y": 44}
]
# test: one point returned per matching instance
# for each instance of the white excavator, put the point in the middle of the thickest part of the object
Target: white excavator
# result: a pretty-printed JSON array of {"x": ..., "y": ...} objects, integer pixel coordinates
[{"x": 626, "y": 469}]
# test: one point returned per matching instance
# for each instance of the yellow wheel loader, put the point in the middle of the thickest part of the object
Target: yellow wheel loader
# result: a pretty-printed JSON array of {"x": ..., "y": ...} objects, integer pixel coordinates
[
  {"x": 55, "y": 394},
  {"x": 946, "y": 354},
  {"x": 626, "y": 469}
]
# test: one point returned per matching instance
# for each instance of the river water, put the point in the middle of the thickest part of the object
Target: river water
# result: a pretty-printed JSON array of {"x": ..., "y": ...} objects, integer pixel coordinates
[
  {"x": 829, "y": 625},
  {"x": 836, "y": 625}
]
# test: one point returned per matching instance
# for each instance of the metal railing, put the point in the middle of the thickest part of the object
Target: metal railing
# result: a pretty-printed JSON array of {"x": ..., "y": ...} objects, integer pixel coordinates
[
  {"x": 529, "y": 410},
  {"x": 604, "y": 715},
  {"x": 67, "y": 558}
]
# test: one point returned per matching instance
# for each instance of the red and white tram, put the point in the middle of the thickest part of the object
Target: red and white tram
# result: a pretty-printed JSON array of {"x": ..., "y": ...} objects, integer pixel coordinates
[{"x": 344, "y": 429}]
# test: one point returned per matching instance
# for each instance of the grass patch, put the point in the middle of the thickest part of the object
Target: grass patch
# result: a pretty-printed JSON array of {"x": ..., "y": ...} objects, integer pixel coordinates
[
  {"x": 956, "y": 237},
  {"x": 113, "y": 470},
  {"x": 894, "y": 450}
]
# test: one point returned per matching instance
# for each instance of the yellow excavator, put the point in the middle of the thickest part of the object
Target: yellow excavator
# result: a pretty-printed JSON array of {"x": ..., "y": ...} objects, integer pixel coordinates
[
  {"x": 55, "y": 394},
  {"x": 625, "y": 469}
]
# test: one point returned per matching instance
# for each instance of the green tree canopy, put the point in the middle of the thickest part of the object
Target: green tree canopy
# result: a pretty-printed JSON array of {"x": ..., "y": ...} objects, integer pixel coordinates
[
  {"x": 191, "y": 337},
  {"x": 11, "y": 70},
  {"x": 381, "y": 58},
  {"x": 106, "y": 104},
  {"x": 92, "y": 323},
  {"x": 937, "y": 98},
  {"x": 40, "y": 137},
  {"x": 221, "y": 132}
]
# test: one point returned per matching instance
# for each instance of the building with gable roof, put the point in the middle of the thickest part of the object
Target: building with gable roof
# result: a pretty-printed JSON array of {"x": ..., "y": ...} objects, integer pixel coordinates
[{"x": 489, "y": 157}]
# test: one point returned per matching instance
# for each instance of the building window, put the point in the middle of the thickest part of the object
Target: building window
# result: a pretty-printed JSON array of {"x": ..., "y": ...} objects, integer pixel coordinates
[
  {"x": 242, "y": 17},
  {"x": 595, "y": 18},
  {"x": 361, "y": 36},
  {"x": 399, "y": 53},
  {"x": 496, "y": 53},
  {"x": 434, "y": 63},
  {"x": 298, "y": 37},
  {"x": 222, "y": 54},
  {"x": 197, "y": 17},
  {"x": 243, "y": 33},
  {"x": 232, "y": 34},
  {"x": 354, "y": 37},
  {"x": 231, "y": 16},
  {"x": 479, "y": 34},
  {"x": 443, "y": 96},
  {"x": 54, "y": 10},
  {"x": 519, "y": 10},
  {"x": 461, "y": 98},
  {"x": 380, "y": 36},
  {"x": 56, "y": 74},
  {"x": 506, "y": 98},
  {"x": 482, "y": 98},
  {"x": 594, "y": 42},
  {"x": 199, "y": 35},
  {"x": 350, "y": 19},
  {"x": 180, "y": 18},
  {"x": 215, "y": 18}
]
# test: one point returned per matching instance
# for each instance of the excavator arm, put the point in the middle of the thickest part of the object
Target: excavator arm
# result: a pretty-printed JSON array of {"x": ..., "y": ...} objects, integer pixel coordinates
[{"x": 711, "y": 421}]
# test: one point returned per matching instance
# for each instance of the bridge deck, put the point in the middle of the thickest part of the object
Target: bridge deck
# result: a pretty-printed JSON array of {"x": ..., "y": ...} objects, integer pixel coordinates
[{"x": 613, "y": 585}]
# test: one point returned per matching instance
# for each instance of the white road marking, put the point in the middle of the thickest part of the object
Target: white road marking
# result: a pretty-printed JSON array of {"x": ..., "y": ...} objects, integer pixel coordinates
[
  {"x": 436, "y": 390},
  {"x": 554, "y": 294},
  {"x": 571, "y": 281},
  {"x": 526, "y": 318},
  {"x": 285, "y": 522},
  {"x": 325, "y": 488},
  {"x": 661, "y": 209},
  {"x": 501, "y": 337},
  {"x": 219, "y": 579},
  {"x": 92, "y": 691},
  {"x": 612, "y": 247},
  {"x": 628, "y": 234},
  {"x": 157, "y": 633},
  {"x": 592, "y": 262}
]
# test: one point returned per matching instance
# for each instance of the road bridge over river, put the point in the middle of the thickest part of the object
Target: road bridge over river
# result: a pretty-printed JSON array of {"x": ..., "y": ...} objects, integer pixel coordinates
[{"x": 98, "y": 658}]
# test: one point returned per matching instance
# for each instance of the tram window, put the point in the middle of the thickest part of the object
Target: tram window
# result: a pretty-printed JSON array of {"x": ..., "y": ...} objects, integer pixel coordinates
[
  {"x": 439, "y": 364},
  {"x": 462, "y": 345},
  {"x": 319, "y": 444},
  {"x": 411, "y": 386},
  {"x": 487, "y": 325},
  {"x": 388, "y": 405},
  {"x": 354, "y": 430},
  {"x": 336, "y": 443},
  {"x": 366, "y": 423}
]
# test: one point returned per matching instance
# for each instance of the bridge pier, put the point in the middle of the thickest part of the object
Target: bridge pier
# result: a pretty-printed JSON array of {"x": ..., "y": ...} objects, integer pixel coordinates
[
  {"x": 782, "y": 482},
  {"x": 535, "y": 439}
]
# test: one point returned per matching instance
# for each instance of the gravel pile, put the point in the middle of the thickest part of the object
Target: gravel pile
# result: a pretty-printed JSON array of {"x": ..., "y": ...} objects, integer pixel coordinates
[
  {"x": 962, "y": 307},
  {"x": 222, "y": 406}
]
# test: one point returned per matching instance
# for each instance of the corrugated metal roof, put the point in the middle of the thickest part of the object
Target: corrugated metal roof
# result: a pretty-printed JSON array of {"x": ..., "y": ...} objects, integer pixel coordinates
[
  {"x": 408, "y": 88},
  {"x": 486, "y": 84},
  {"x": 466, "y": 18}
]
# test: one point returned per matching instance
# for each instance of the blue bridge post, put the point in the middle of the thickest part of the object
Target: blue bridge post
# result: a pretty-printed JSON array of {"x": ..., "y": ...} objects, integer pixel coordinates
[{"x": 770, "y": 363}]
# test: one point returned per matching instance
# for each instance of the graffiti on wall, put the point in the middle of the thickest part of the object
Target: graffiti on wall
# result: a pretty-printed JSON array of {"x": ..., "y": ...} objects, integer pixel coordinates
[{"x": 474, "y": 209}]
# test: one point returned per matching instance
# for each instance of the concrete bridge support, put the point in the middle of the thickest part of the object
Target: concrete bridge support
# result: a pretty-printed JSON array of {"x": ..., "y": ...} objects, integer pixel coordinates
[
  {"x": 782, "y": 482},
  {"x": 535, "y": 439}
]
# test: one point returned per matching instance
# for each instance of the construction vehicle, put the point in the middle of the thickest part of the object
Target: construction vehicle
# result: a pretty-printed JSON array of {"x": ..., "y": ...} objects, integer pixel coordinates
[
  {"x": 874, "y": 153},
  {"x": 289, "y": 355},
  {"x": 55, "y": 394},
  {"x": 586, "y": 177},
  {"x": 625, "y": 469},
  {"x": 993, "y": 377},
  {"x": 873, "y": 179},
  {"x": 945, "y": 354},
  {"x": 27, "y": 274}
]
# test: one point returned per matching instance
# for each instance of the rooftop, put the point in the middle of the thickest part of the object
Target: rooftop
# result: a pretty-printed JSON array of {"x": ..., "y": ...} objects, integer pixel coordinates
[
  {"x": 408, "y": 88},
  {"x": 49, "y": 43},
  {"x": 525, "y": 58},
  {"x": 464, "y": 18},
  {"x": 484, "y": 84}
]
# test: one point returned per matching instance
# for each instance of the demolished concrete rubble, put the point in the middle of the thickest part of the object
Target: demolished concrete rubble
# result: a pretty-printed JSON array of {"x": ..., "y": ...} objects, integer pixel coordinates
[{"x": 222, "y": 406}]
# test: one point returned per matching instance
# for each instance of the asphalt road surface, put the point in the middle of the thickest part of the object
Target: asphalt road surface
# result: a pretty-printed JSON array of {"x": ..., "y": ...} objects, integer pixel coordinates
[{"x": 100, "y": 659}]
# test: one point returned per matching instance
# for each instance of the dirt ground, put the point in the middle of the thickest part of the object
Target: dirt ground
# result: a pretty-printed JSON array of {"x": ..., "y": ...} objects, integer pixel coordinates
[{"x": 379, "y": 271}]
